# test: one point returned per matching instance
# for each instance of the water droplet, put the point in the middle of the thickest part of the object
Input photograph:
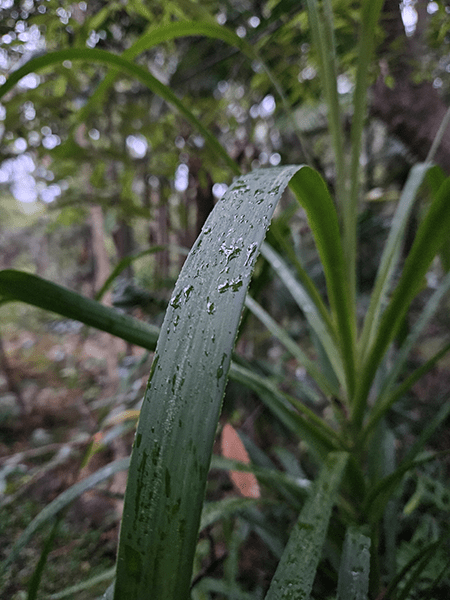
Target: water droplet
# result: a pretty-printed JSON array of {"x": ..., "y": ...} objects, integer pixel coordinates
[
  {"x": 232, "y": 285},
  {"x": 175, "y": 300},
  {"x": 250, "y": 252}
]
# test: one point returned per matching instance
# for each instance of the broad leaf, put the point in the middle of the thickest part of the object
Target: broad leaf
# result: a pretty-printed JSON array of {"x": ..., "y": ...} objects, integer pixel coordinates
[{"x": 178, "y": 421}]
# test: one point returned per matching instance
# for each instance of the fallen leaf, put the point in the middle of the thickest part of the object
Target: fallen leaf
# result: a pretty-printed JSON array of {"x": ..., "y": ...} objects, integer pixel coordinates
[{"x": 232, "y": 447}]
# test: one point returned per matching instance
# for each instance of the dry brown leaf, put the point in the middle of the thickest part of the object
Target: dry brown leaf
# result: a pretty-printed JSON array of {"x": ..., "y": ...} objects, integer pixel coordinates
[{"x": 232, "y": 447}]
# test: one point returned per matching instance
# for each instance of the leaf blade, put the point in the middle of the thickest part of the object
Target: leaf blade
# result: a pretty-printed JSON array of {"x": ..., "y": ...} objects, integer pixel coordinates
[
  {"x": 296, "y": 570},
  {"x": 179, "y": 415},
  {"x": 31, "y": 289}
]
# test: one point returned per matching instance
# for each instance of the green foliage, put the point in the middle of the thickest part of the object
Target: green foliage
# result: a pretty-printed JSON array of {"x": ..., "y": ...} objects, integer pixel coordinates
[{"x": 359, "y": 483}]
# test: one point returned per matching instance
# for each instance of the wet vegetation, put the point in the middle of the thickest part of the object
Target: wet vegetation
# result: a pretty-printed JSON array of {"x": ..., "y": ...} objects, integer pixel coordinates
[{"x": 268, "y": 416}]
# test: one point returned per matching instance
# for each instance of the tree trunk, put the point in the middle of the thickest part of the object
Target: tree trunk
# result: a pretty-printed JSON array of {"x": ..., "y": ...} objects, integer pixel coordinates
[{"x": 411, "y": 111}]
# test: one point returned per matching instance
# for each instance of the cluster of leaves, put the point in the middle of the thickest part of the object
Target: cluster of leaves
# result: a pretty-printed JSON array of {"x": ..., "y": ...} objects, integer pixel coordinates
[{"x": 354, "y": 453}]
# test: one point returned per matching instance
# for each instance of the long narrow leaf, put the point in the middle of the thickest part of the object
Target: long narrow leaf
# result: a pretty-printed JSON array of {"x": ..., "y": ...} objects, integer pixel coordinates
[
  {"x": 95, "y": 55},
  {"x": 164, "y": 33},
  {"x": 62, "y": 501},
  {"x": 313, "y": 195},
  {"x": 353, "y": 581},
  {"x": 179, "y": 415},
  {"x": 129, "y": 260},
  {"x": 425, "y": 553},
  {"x": 383, "y": 406},
  {"x": 308, "y": 426},
  {"x": 429, "y": 238},
  {"x": 294, "y": 491},
  {"x": 35, "y": 581},
  {"x": 73, "y": 590},
  {"x": 370, "y": 12},
  {"x": 322, "y": 32},
  {"x": 296, "y": 570},
  {"x": 319, "y": 322},
  {"x": 426, "y": 314},
  {"x": 390, "y": 257},
  {"x": 284, "y": 338},
  {"x": 379, "y": 496},
  {"x": 31, "y": 289}
]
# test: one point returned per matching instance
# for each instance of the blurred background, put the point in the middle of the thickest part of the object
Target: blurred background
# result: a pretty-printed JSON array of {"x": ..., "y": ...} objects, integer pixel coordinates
[{"x": 85, "y": 185}]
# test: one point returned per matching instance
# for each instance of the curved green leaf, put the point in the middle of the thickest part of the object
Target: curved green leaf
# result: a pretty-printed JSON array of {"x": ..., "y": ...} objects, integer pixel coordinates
[
  {"x": 313, "y": 195},
  {"x": 388, "y": 395},
  {"x": 321, "y": 438},
  {"x": 129, "y": 260},
  {"x": 24, "y": 287},
  {"x": 112, "y": 60},
  {"x": 292, "y": 489},
  {"x": 381, "y": 493},
  {"x": 179, "y": 415},
  {"x": 389, "y": 400},
  {"x": 73, "y": 590},
  {"x": 164, "y": 33}
]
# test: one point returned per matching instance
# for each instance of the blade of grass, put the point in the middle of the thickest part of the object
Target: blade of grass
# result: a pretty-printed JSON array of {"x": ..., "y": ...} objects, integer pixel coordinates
[
  {"x": 296, "y": 570},
  {"x": 129, "y": 260},
  {"x": 214, "y": 511},
  {"x": 319, "y": 321},
  {"x": 313, "y": 195},
  {"x": 381, "y": 493},
  {"x": 159, "y": 34},
  {"x": 288, "y": 250},
  {"x": 293, "y": 491},
  {"x": 430, "y": 236},
  {"x": 73, "y": 590},
  {"x": 31, "y": 289},
  {"x": 156, "y": 35},
  {"x": 34, "y": 583},
  {"x": 424, "y": 553},
  {"x": 382, "y": 407},
  {"x": 370, "y": 12},
  {"x": 438, "y": 419},
  {"x": 284, "y": 338},
  {"x": 353, "y": 580},
  {"x": 322, "y": 33},
  {"x": 424, "y": 561},
  {"x": 179, "y": 416},
  {"x": 390, "y": 257},
  {"x": 426, "y": 314},
  {"x": 95, "y": 55},
  {"x": 308, "y": 426},
  {"x": 59, "y": 503}
]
